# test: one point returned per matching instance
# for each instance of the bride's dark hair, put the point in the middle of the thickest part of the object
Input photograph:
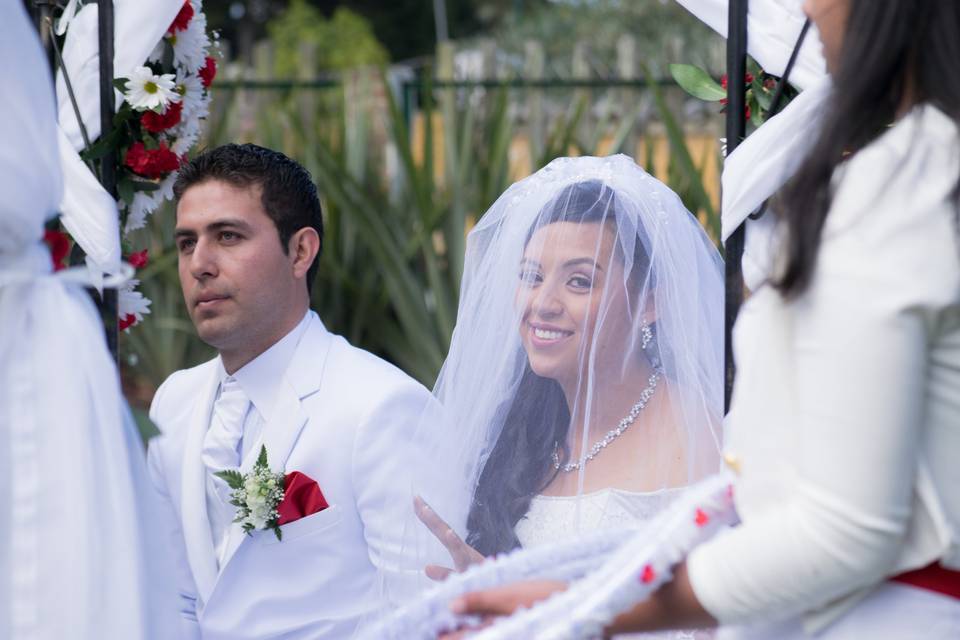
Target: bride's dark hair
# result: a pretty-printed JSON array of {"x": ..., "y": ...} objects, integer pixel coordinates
[
  {"x": 893, "y": 51},
  {"x": 520, "y": 464}
]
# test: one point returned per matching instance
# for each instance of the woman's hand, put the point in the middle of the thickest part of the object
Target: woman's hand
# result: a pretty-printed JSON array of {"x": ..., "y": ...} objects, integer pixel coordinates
[
  {"x": 501, "y": 601},
  {"x": 462, "y": 554}
]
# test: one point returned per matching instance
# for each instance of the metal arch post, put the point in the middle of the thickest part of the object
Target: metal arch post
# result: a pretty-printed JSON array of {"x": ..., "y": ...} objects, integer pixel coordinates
[
  {"x": 736, "y": 131},
  {"x": 108, "y": 165}
]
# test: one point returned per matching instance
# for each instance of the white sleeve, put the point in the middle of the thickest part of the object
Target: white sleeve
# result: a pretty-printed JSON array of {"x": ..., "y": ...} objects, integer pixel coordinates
[
  {"x": 385, "y": 456},
  {"x": 172, "y": 532},
  {"x": 887, "y": 266}
]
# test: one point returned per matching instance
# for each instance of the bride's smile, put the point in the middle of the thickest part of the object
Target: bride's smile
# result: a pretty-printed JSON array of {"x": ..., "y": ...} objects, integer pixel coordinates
[{"x": 564, "y": 276}]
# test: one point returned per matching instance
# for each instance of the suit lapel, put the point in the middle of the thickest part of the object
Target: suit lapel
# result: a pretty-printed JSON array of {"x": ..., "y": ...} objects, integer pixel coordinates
[
  {"x": 193, "y": 499},
  {"x": 280, "y": 434}
]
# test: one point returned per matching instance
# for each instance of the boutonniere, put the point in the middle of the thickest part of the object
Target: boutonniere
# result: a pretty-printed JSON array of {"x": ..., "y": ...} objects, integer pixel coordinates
[
  {"x": 268, "y": 500},
  {"x": 256, "y": 495}
]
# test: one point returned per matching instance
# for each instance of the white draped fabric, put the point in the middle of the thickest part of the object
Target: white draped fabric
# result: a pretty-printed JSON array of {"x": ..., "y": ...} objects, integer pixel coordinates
[
  {"x": 78, "y": 553},
  {"x": 89, "y": 212},
  {"x": 763, "y": 162}
]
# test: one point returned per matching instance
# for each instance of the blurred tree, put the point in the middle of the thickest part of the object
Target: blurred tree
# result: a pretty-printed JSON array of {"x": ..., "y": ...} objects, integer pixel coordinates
[
  {"x": 343, "y": 41},
  {"x": 404, "y": 27},
  {"x": 665, "y": 33}
]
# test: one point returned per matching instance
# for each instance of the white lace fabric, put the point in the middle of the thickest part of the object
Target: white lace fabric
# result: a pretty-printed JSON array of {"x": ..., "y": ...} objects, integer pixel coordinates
[{"x": 553, "y": 519}]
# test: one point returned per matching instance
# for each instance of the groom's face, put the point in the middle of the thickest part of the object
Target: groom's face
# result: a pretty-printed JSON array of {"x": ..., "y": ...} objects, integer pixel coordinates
[{"x": 238, "y": 283}]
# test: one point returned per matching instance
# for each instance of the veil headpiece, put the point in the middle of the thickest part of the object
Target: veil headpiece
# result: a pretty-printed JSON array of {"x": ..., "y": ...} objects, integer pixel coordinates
[{"x": 586, "y": 362}]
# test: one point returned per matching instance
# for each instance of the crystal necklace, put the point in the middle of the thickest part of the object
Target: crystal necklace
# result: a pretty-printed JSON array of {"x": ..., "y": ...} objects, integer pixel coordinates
[{"x": 611, "y": 435}]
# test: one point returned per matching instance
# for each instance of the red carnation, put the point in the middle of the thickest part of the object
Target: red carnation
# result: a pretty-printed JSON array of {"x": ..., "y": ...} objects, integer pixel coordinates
[
  {"x": 59, "y": 244},
  {"x": 156, "y": 122},
  {"x": 748, "y": 78},
  {"x": 139, "y": 259},
  {"x": 183, "y": 18},
  {"x": 747, "y": 114},
  {"x": 151, "y": 163},
  {"x": 127, "y": 321},
  {"x": 723, "y": 81},
  {"x": 208, "y": 72}
]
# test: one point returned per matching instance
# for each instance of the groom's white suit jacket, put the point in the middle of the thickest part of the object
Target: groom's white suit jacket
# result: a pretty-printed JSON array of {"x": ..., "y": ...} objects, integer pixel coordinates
[{"x": 346, "y": 419}]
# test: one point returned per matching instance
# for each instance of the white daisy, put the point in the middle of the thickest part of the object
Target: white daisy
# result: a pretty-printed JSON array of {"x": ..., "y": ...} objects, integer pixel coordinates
[
  {"x": 141, "y": 207},
  {"x": 132, "y": 302},
  {"x": 144, "y": 90},
  {"x": 187, "y": 136},
  {"x": 190, "y": 45},
  {"x": 190, "y": 87}
]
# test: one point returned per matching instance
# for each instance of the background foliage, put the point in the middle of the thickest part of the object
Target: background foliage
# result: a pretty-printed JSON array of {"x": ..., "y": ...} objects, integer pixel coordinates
[{"x": 405, "y": 168}]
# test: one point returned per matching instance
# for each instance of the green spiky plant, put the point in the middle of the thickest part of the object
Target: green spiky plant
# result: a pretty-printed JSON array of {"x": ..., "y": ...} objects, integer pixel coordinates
[{"x": 394, "y": 246}]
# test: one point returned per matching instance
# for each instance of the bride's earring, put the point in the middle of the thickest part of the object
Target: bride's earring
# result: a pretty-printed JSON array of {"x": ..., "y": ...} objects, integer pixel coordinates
[{"x": 646, "y": 334}]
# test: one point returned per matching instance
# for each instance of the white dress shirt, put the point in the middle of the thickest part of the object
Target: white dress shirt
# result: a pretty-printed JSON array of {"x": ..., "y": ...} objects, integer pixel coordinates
[
  {"x": 845, "y": 421},
  {"x": 260, "y": 380}
]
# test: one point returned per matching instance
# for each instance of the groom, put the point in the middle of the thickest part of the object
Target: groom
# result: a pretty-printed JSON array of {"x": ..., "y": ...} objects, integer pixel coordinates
[{"x": 248, "y": 235}]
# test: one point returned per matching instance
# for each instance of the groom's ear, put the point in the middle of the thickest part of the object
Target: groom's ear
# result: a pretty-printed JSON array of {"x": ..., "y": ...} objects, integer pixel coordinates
[{"x": 303, "y": 248}]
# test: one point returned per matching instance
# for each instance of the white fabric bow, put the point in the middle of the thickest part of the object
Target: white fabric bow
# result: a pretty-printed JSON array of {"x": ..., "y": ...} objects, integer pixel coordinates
[
  {"x": 763, "y": 162},
  {"x": 89, "y": 212}
]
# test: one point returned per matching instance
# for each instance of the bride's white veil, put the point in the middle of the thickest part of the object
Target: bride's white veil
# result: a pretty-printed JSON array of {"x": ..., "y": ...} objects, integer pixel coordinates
[{"x": 589, "y": 338}]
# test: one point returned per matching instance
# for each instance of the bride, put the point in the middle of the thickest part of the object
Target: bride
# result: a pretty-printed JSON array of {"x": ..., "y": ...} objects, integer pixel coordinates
[{"x": 582, "y": 390}]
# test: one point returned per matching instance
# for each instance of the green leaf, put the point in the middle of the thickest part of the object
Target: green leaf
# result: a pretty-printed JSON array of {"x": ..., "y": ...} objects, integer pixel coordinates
[
  {"x": 756, "y": 114},
  {"x": 262, "y": 458},
  {"x": 232, "y": 477},
  {"x": 278, "y": 533},
  {"x": 126, "y": 190},
  {"x": 764, "y": 99},
  {"x": 120, "y": 84},
  {"x": 143, "y": 185},
  {"x": 697, "y": 82},
  {"x": 102, "y": 147}
]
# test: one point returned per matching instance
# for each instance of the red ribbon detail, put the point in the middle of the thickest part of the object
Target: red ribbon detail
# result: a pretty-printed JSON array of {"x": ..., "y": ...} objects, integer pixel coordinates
[
  {"x": 301, "y": 498},
  {"x": 701, "y": 518},
  {"x": 648, "y": 575}
]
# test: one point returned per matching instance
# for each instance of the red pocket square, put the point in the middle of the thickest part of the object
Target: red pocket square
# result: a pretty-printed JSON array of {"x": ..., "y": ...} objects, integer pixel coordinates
[{"x": 301, "y": 498}]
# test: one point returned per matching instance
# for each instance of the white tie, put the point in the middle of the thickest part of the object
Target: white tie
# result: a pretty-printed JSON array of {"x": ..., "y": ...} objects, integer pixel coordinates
[
  {"x": 221, "y": 446},
  {"x": 221, "y": 451}
]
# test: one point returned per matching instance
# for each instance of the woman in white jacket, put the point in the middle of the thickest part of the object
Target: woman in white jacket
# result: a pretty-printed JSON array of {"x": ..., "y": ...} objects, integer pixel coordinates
[{"x": 845, "y": 423}]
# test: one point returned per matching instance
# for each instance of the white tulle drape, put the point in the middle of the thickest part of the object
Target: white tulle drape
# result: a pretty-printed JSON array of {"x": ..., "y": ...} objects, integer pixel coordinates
[
  {"x": 79, "y": 554},
  {"x": 89, "y": 212},
  {"x": 763, "y": 162}
]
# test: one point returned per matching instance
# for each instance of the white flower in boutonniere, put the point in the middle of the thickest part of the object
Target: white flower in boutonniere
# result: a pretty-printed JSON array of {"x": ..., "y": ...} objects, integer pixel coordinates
[{"x": 256, "y": 495}]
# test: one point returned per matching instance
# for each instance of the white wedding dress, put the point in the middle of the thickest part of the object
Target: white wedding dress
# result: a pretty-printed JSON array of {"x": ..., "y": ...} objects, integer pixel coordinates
[{"x": 555, "y": 519}]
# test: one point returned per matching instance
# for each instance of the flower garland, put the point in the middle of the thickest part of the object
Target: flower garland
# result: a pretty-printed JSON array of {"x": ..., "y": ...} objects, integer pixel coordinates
[
  {"x": 609, "y": 572},
  {"x": 156, "y": 125},
  {"x": 759, "y": 87}
]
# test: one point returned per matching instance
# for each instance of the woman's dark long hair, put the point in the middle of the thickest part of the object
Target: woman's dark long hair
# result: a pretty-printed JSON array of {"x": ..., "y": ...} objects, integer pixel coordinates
[
  {"x": 895, "y": 52},
  {"x": 521, "y": 462}
]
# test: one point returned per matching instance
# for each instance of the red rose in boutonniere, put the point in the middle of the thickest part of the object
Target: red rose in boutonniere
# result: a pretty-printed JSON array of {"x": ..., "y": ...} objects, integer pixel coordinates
[{"x": 268, "y": 500}]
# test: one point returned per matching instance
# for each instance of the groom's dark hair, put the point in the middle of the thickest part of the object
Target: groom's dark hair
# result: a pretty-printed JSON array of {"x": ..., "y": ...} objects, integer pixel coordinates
[{"x": 288, "y": 193}]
